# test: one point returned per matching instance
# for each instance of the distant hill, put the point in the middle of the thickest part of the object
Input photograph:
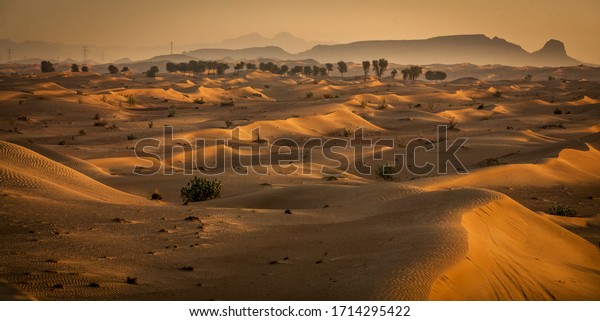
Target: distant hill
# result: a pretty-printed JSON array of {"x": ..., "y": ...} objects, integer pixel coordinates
[
  {"x": 475, "y": 49},
  {"x": 284, "y": 40},
  {"x": 243, "y": 54}
]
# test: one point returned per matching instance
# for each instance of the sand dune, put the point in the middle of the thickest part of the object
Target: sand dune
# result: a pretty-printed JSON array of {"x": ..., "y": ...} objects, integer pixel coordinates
[
  {"x": 74, "y": 211},
  {"x": 24, "y": 171}
]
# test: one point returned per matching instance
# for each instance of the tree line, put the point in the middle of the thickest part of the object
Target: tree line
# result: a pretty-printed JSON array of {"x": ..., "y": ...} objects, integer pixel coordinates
[{"x": 199, "y": 67}]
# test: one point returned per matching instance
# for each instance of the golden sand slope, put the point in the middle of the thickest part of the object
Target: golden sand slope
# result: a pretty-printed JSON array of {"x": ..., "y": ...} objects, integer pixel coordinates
[
  {"x": 515, "y": 254},
  {"x": 27, "y": 172}
]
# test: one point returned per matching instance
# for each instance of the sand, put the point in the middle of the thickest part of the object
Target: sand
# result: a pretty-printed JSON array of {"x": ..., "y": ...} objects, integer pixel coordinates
[{"x": 77, "y": 222}]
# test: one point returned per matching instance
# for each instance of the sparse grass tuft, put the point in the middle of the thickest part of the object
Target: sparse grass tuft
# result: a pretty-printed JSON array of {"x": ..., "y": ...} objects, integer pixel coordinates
[
  {"x": 308, "y": 94},
  {"x": 347, "y": 132},
  {"x": 130, "y": 100},
  {"x": 227, "y": 103},
  {"x": 172, "y": 111}
]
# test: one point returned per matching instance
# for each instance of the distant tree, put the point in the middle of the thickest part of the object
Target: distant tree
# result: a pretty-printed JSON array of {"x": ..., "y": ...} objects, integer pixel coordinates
[
  {"x": 394, "y": 73},
  {"x": 221, "y": 67},
  {"x": 405, "y": 74},
  {"x": 323, "y": 71},
  {"x": 47, "y": 66},
  {"x": 366, "y": 66},
  {"x": 379, "y": 66},
  {"x": 550, "y": 78},
  {"x": 440, "y": 75},
  {"x": 85, "y": 68},
  {"x": 295, "y": 70},
  {"x": 125, "y": 69},
  {"x": 315, "y": 70},
  {"x": 239, "y": 66},
  {"x": 182, "y": 67},
  {"x": 74, "y": 68},
  {"x": 329, "y": 67},
  {"x": 528, "y": 77},
  {"x": 152, "y": 72},
  {"x": 250, "y": 66},
  {"x": 112, "y": 69},
  {"x": 196, "y": 67},
  {"x": 307, "y": 71},
  {"x": 171, "y": 67},
  {"x": 342, "y": 68},
  {"x": 415, "y": 72},
  {"x": 284, "y": 70},
  {"x": 429, "y": 75},
  {"x": 435, "y": 75}
]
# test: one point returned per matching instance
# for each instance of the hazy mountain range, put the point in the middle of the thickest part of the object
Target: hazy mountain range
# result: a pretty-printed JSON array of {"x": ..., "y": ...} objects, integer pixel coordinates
[{"x": 475, "y": 49}]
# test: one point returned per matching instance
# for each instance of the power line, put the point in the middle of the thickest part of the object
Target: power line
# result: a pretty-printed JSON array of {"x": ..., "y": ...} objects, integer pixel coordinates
[
  {"x": 171, "y": 47},
  {"x": 9, "y": 51}
]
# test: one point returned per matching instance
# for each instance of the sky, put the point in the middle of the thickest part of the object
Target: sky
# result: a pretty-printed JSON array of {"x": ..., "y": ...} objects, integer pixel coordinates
[{"x": 527, "y": 23}]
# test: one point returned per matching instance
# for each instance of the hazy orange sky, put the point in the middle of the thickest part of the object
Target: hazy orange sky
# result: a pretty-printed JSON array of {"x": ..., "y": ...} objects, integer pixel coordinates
[{"x": 152, "y": 22}]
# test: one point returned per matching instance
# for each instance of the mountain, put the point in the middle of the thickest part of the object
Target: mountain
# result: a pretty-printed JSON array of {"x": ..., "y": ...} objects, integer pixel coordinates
[
  {"x": 241, "y": 54},
  {"x": 284, "y": 40},
  {"x": 476, "y": 49}
]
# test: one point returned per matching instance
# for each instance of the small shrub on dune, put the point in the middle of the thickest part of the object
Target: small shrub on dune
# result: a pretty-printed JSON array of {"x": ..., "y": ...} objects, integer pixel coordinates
[
  {"x": 131, "y": 137},
  {"x": 562, "y": 210},
  {"x": 172, "y": 111},
  {"x": 199, "y": 101},
  {"x": 386, "y": 172},
  {"x": 200, "y": 189},
  {"x": 309, "y": 94},
  {"x": 228, "y": 103},
  {"x": 156, "y": 195},
  {"x": 557, "y": 111},
  {"x": 130, "y": 100}
]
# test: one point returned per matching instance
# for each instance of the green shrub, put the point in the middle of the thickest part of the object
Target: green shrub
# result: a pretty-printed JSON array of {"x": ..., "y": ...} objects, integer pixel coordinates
[
  {"x": 130, "y": 99},
  {"x": 172, "y": 111},
  {"x": 386, "y": 172},
  {"x": 562, "y": 210},
  {"x": 200, "y": 189}
]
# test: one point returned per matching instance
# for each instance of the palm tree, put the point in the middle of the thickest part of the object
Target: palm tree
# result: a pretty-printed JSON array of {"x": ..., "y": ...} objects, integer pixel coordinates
[
  {"x": 366, "y": 65},
  {"x": 342, "y": 68}
]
